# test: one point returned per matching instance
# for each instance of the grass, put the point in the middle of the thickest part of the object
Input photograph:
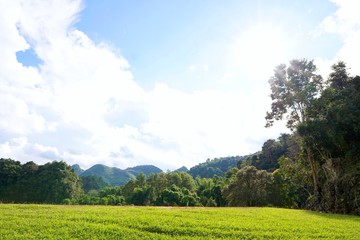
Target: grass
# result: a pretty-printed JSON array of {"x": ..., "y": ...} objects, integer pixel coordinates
[{"x": 104, "y": 222}]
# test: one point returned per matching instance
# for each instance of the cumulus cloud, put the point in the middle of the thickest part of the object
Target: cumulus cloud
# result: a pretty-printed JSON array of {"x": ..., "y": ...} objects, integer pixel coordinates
[
  {"x": 21, "y": 148},
  {"x": 70, "y": 89},
  {"x": 16, "y": 117},
  {"x": 345, "y": 22},
  {"x": 81, "y": 103}
]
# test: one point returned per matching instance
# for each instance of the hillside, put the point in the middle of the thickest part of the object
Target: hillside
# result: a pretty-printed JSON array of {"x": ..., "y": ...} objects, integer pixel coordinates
[
  {"x": 182, "y": 169},
  {"x": 146, "y": 169},
  {"x": 217, "y": 166},
  {"x": 116, "y": 176},
  {"x": 77, "y": 169}
]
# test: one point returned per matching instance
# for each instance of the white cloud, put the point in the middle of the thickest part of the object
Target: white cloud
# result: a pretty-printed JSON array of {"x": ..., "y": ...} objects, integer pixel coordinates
[
  {"x": 192, "y": 68},
  {"x": 21, "y": 149},
  {"x": 207, "y": 123},
  {"x": 16, "y": 117},
  {"x": 346, "y": 23},
  {"x": 260, "y": 48},
  {"x": 83, "y": 106}
]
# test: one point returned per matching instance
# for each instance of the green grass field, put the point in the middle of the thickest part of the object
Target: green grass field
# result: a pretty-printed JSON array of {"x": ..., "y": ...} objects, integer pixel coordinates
[{"x": 103, "y": 222}]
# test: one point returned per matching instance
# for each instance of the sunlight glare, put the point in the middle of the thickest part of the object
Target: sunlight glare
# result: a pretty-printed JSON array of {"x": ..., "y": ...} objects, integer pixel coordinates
[{"x": 260, "y": 49}]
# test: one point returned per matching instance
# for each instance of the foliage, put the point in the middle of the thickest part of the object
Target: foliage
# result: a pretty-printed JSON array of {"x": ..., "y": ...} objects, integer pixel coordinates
[
  {"x": 92, "y": 182},
  {"x": 49, "y": 183},
  {"x": 104, "y": 222},
  {"x": 145, "y": 169},
  {"x": 10, "y": 171},
  {"x": 250, "y": 187},
  {"x": 165, "y": 189},
  {"x": 293, "y": 92},
  {"x": 272, "y": 150},
  {"x": 333, "y": 134},
  {"x": 326, "y": 168},
  {"x": 293, "y": 89},
  {"x": 106, "y": 196},
  {"x": 116, "y": 176},
  {"x": 217, "y": 166},
  {"x": 210, "y": 191},
  {"x": 292, "y": 183}
]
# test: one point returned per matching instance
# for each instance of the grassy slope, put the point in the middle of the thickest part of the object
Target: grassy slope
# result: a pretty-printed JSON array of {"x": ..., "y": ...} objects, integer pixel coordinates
[{"x": 101, "y": 222}]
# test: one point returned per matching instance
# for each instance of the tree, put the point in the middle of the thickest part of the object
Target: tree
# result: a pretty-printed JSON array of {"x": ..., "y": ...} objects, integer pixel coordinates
[
  {"x": 209, "y": 191},
  {"x": 92, "y": 182},
  {"x": 334, "y": 134},
  {"x": 217, "y": 166},
  {"x": 292, "y": 183},
  {"x": 339, "y": 77},
  {"x": 30, "y": 183},
  {"x": 56, "y": 181},
  {"x": 250, "y": 187},
  {"x": 10, "y": 171},
  {"x": 22, "y": 189},
  {"x": 293, "y": 91},
  {"x": 176, "y": 196}
]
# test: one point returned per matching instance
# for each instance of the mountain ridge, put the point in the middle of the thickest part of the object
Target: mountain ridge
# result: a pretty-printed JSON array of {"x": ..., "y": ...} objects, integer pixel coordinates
[{"x": 117, "y": 177}]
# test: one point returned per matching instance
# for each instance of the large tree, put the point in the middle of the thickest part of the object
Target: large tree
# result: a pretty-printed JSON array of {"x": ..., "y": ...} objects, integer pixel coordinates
[
  {"x": 30, "y": 183},
  {"x": 250, "y": 187},
  {"x": 10, "y": 172},
  {"x": 293, "y": 90},
  {"x": 334, "y": 133}
]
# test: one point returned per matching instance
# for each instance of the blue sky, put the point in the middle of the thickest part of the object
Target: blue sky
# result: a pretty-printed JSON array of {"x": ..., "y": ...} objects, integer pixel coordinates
[
  {"x": 168, "y": 83},
  {"x": 161, "y": 39}
]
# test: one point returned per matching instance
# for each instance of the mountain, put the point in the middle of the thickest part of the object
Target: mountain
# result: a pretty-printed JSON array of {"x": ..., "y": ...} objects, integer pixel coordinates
[
  {"x": 182, "y": 169},
  {"x": 217, "y": 166},
  {"x": 116, "y": 176},
  {"x": 77, "y": 169},
  {"x": 146, "y": 169}
]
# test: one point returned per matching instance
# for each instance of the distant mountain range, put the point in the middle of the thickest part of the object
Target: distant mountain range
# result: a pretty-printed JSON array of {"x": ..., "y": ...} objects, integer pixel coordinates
[{"x": 117, "y": 177}]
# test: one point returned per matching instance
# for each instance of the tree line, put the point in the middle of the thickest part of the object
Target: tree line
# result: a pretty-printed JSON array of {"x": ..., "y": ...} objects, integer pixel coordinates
[
  {"x": 30, "y": 183},
  {"x": 57, "y": 183},
  {"x": 324, "y": 115},
  {"x": 316, "y": 167}
]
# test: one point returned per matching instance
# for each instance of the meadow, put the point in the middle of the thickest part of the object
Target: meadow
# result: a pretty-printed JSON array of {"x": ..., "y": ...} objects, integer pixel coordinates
[{"x": 29, "y": 221}]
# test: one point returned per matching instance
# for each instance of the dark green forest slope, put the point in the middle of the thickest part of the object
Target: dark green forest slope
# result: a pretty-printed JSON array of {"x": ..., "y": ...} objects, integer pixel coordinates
[
  {"x": 32, "y": 183},
  {"x": 217, "y": 166},
  {"x": 116, "y": 176}
]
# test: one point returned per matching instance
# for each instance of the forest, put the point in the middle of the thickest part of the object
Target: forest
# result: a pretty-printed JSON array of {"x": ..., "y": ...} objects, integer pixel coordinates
[{"x": 315, "y": 167}]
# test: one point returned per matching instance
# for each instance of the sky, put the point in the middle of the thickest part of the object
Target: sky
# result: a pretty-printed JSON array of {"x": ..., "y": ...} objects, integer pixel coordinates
[{"x": 167, "y": 83}]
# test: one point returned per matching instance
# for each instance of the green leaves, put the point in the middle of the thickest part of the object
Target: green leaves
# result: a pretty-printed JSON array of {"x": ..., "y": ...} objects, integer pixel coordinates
[
  {"x": 49, "y": 183},
  {"x": 332, "y": 133},
  {"x": 250, "y": 187},
  {"x": 293, "y": 89}
]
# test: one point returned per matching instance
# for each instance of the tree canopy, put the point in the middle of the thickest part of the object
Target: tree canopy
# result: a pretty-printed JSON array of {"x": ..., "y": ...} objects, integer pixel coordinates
[{"x": 30, "y": 183}]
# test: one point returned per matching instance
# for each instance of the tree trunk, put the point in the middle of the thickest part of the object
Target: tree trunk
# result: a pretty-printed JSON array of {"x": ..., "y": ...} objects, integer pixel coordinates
[{"x": 313, "y": 172}]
